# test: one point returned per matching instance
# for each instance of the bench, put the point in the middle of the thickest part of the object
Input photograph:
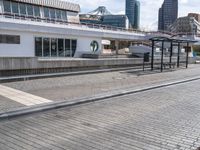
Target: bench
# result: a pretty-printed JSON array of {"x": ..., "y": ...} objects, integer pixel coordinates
[{"x": 169, "y": 65}]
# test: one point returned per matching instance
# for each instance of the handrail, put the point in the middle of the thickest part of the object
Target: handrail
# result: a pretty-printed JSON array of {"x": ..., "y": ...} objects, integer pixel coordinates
[
  {"x": 94, "y": 26},
  {"x": 48, "y": 20}
]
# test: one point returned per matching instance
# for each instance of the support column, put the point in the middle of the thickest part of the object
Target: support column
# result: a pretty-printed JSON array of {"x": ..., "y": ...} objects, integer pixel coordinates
[
  {"x": 178, "y": 57},
  {"x": 152, "y": 56},
  {"x": 162, "y": 55},
  {"x": 117, "y": 47},
  {"x": 187, "y": 54}
]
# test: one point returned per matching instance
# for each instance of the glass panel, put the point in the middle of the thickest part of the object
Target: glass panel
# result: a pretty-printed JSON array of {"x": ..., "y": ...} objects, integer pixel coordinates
[
  {"x": 15, "y": 8},
  {"x": 74, "y": 45},
  {"x": 2, "y": 39},
  {"x": 36, "y": 11},
  {"x": 46, "y": 12},
  {"x": 22, "y": 9},
  {"x": 64, "y": 15},
  {"x": 7, "y": 7},
  {"x": 58, "y": 14},
  {"x": 38, "y": 46},
  {"x": 30, "y": 10},
  {"x": 46, "y": 47},
  {"x": 9, "y": 39},
  {"x": 53, "y": 47},
  {"x": 67, "y": 47},
  {"x": 61, "y": 47},
  {"x": 52, "y": 13}
]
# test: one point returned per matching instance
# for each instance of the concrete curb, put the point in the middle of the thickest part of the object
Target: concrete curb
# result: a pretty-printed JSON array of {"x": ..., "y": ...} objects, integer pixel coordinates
[
  {"x": 62, "y": 104},
  {"x": 52, "y": 75}
]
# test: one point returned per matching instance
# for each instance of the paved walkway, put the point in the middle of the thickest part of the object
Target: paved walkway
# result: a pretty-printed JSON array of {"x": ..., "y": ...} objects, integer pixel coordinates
[
  {"x": 73, "y": 87},
  {"x": 166, "y": 118}
]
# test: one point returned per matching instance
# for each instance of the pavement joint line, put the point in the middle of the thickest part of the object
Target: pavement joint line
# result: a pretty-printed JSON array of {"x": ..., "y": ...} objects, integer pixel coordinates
[{"x": 61, "y": 104}]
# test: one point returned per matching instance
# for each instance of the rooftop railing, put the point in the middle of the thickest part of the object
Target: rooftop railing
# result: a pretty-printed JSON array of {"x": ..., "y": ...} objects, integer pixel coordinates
[{"x": 94, "y": 26}]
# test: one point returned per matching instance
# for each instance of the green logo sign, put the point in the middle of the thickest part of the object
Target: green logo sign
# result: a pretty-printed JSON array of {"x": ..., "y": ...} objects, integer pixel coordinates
[{"x": 94, "y": 46}]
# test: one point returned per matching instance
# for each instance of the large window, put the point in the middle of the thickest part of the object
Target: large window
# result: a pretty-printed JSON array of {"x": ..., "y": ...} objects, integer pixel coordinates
[
  {"x": 61, "y": 47},
  {"x": 46, "y": 47},
  {"x": 58, "y": 14},
  {"x": 67, "y": 47},
  {"x": 37, "y": 11},
  {"x": 53, "y": 47},
  {"x": 22, "y": 9},
  {"x": 52, "y": 13},
  {"x": 64, "y": 15},
  {"x": 15, "y": 8},
  {"x": 7, "y": 7},
  {"x": 9, "y": 39},
  {"x": 30, "y": 10},
  {"x": 38, "y": 46},
  {"x": 74, "y": 44},
  {"x": 46, "y": 12}
]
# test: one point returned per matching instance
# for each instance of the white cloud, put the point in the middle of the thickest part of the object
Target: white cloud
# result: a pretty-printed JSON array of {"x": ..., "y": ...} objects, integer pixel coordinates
[{"x": 149, "y": 8}]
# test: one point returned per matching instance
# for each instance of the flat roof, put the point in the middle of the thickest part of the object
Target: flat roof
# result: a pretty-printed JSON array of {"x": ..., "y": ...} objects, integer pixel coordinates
[
  {"x": 59, "y": 4},
  {"x": 176, "y": 40}
]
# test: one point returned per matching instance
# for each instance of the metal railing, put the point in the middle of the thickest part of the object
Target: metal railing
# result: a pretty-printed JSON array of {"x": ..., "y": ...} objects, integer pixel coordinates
[
  {"x": 58, "y": 21},
  {"x": 93, "y": 26}
]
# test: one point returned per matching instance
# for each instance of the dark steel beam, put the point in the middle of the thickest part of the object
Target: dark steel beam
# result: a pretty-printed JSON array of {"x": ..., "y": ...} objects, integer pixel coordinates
[
  {"x": 178, "y": 57},
  {"x": 171, "y": 52},
  {"x": 162, "y": 55},
  {"x": 152, "y": 56},
  {"x": 187, "y": 54}
]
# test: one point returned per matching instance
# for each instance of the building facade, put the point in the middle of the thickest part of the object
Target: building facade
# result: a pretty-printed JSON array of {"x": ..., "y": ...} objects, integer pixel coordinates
[
  {"x": 30, "y": 28},
  {"x": 103, "y": 17},
  {"x": 187, "y": 25},
  {"x": 168, "y": 14},
  {"x": 195, "y": 15},
  {"x": 50, "y": 28},
  {"x": 116, "y": 21},
  {"x": 133, "y": 13}
]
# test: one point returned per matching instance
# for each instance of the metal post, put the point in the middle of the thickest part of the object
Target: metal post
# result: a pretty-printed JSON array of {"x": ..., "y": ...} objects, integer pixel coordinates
[
  {"x": 143, "y": 61},
  {"x": 178, "y": 57},
  {"x": 161, "y": 69},
  {"x": 152, "y": 56},
  {"x": 187, "y": 55},
  {"x": 171, "y": 51}
]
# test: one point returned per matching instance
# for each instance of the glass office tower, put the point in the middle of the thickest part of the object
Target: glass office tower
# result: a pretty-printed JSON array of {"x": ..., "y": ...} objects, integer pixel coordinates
[
  {"x": 168, "y": 14},
  {"x": 133, "y": 13}
]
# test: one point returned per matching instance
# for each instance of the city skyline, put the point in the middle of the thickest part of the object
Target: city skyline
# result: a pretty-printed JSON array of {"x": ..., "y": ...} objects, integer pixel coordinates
[{"x": 149, "y": 9}]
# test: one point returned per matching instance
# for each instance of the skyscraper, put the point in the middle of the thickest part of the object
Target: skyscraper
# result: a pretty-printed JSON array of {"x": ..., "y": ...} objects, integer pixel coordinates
[
  {"x": 168, "y": 14},
  {"x": 133, "y": 13}
]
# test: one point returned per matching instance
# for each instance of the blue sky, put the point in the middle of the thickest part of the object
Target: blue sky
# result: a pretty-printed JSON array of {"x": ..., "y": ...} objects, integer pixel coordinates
[{"x": 149, "y": 9}]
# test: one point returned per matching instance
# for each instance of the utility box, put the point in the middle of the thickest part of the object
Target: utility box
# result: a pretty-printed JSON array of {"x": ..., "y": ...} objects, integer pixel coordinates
[{"x": 146, "y": 57}]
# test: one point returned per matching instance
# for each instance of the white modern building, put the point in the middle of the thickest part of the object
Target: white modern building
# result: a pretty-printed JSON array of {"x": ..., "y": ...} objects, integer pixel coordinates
[{"x": 51, "y": 28}]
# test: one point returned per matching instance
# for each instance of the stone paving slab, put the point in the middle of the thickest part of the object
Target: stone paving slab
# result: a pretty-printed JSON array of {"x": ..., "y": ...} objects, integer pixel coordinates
[
  {"x": 74, "y": 87},
  {"x": 7, "y": 104},
  {"x": 166, "y": 118}
]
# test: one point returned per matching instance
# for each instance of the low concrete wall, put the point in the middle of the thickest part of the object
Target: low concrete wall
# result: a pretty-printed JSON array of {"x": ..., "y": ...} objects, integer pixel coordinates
[
  {"x": 27, "y": 66},
  {"x": 35, "y": 63}
]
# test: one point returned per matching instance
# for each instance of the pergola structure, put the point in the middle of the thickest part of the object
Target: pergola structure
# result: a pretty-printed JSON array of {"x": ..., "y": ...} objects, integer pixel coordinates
[{"x": 173, "y": 42}]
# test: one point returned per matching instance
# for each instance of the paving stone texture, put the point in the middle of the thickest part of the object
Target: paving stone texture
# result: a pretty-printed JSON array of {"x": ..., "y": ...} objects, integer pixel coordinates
[
  {"x": 74, "y": 87},
  {"x": 166, "y": 118}
]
